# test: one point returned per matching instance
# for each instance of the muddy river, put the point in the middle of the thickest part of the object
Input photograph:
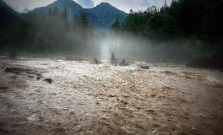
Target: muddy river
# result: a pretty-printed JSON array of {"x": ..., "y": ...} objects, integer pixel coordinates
[{"x": 50, "y": 97}]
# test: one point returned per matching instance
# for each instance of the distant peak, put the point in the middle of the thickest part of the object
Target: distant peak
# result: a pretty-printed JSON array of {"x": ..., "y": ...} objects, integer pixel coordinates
[
  {"x": 64, "y": 0},
  {"x": 104, "y": 4}
]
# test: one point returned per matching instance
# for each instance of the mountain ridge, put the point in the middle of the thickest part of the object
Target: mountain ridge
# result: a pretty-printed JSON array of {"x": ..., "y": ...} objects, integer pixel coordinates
[
  {"x": 60, "y": 4},
  {"x": 107, "y": 18},
  {"x": 101, "y": 16},
  {"x": 8, "y": 15}
]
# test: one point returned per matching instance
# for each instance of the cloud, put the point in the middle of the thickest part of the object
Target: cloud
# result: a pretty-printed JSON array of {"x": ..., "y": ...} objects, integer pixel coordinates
[
  {"x": 124, "y": 5},
  {"x": 135, "y": 5},
  {"x": 86, "y": 3},
  {"x": 20, "y": 5},
  {"x": 145, "y": 4}
]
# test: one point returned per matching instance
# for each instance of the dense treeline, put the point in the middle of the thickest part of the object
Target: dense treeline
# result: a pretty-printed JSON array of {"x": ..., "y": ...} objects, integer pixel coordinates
[
  {"x": 179, "y": 32},
  {"x": 183, "y": 30},
  {"x": 51, "y": 33},
  {"x": 184, "y": 18}
]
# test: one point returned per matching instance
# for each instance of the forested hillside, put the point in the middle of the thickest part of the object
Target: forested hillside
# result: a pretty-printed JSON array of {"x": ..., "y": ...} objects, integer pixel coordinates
[
  {"x": 198, "y": 20},
  {"x": 102, "y": 16},
  {"x": 51, "y": 33},
  {"x": 183, "y": 30},
  {"x": 8, "y": 15},
  {"x": 180, "y": 32},
  {"x": 105, "y": 14}
]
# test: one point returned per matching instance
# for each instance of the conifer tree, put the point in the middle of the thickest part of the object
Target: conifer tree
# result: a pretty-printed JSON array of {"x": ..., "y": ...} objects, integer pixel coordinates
[
  {"x": 55, "y": 11},
  {"x": 65, "y": 14},
  {"x": 116, "y": 25},
  {"x": 76, "y": 22},
  {"x": 50, "y": 11},
  {"x": 83, "y": 22}
]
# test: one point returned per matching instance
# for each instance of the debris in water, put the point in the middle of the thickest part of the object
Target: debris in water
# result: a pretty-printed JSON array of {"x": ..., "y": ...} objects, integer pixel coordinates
[
  {"x": 48, "y": 80},
  {"x": 96, "y": 61},
  {"x": 113, "y": 59},
  {"x": 30, "y": 76},
  {"x": 38, "y": 78},
  {"x": 21, "y": 71},
  {"x": 123, "y": 63},
  {"x": 3, "y": 88}
]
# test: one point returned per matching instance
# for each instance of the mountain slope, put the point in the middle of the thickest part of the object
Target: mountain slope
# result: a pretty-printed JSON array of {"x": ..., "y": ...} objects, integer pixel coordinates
[
  {"x": 7, "y": 15},
  {"x": 106, "y": 14},
  {"x": 72, "y": 8},
  {"x": 101, "y": 16}
]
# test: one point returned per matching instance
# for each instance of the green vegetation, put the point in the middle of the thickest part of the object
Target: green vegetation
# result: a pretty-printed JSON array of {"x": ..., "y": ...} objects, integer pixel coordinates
[
  {"x": 51, "y": 33},
  {"x": 101, "y": 16},
  {"x": 104, "y": 15},
  {"x": 116, "y": 25},
  {"x": 200, "y": 19},
  {"x": 179, "y": 32}
]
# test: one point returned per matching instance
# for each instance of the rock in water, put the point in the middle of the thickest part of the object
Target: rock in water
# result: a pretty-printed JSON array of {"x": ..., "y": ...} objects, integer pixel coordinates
[
  {"x": 123, "y": 63},
  {"x": 23, "y": 71},
  {"x": 113, "y": 59},
  {"x": 48, "y": 80},
  {"x": 38, "y": 78},
  {"x": 3, "y": 88},
  {"x": 144, "y": 66},
  {"x": 96, "y": 61}
]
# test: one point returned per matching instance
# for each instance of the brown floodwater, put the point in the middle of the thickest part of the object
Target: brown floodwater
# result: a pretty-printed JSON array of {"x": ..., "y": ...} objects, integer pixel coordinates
[{"x": 85, "y": 98}]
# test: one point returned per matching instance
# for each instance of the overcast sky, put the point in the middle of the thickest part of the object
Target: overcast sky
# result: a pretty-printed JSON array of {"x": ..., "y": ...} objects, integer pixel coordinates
[{"x": 124, "y": 5}]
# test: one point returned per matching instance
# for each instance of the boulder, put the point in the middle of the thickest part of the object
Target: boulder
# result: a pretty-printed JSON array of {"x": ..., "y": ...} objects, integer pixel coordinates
[
  {"x": 48, "y": 80},
  {"x": 144, "y": 66}
]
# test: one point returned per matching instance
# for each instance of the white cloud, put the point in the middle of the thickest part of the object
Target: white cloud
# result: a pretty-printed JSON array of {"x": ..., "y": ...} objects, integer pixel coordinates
[
  {"x": 86, "y": 3},
  {"x": 135, "y": 5},
  {"x": 124, "y": 5},
  {"x": 20, "y": 5}
]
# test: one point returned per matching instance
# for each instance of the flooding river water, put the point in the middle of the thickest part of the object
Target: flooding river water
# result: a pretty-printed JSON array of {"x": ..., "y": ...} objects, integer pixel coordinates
[{"x": 103, "y": 99}]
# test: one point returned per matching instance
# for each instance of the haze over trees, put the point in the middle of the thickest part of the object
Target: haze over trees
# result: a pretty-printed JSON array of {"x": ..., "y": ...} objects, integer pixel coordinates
[
  {"x": 63, "y": 27},
  {"x": 179, "y": 32},
  {"x": 69, "y": 70},
  {"x": 51, "y": 33},
  {"x": 198, "y": 19}
]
